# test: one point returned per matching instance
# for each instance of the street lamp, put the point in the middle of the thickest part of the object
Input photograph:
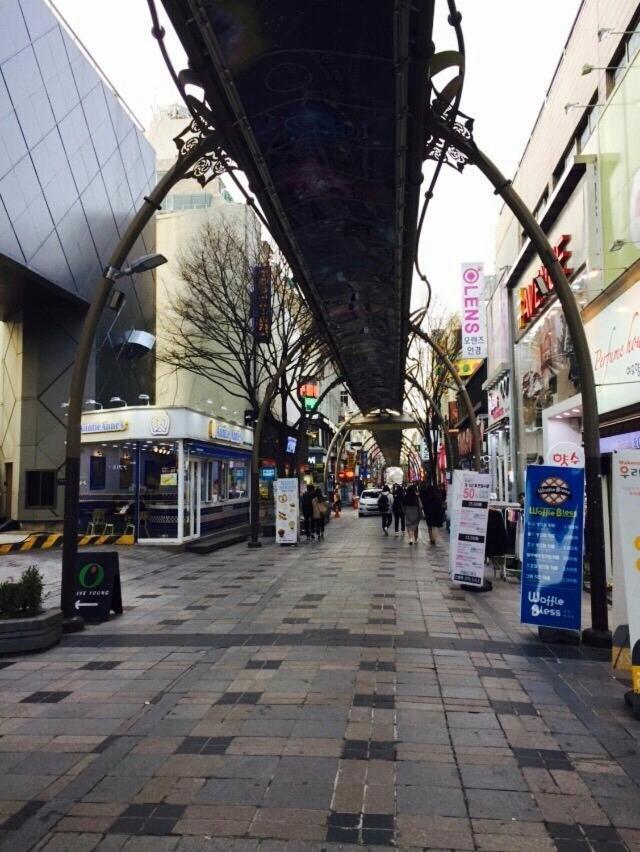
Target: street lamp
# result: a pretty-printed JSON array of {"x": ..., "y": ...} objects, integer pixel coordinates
[
  {"x": 142, "y": 264},
  {"x": 605, "y": 32},
  {"x": 205, "y": 154},
  {"x": 617, "y": 245}
]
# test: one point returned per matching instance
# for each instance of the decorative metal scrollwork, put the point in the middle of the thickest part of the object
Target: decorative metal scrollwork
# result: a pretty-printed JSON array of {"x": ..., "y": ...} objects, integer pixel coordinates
[
  {"x": 210, "y": 165},
  {"x": 437, "y": 147}
]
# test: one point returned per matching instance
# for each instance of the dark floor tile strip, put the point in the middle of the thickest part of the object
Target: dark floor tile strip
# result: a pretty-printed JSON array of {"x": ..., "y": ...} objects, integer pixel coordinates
[{"x": 342, "y": 638}]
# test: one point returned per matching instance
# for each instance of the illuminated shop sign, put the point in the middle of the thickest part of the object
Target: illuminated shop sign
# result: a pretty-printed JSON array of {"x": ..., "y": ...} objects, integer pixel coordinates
[
  {"x": 535, "y": 295},
  {"x": 106, "y": 426},
  {"x": 225, "y": 432}
]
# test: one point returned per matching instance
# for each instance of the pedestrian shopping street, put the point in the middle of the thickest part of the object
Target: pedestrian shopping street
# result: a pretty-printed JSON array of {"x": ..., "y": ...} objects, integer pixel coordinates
[{"x": 311, "y": 698}]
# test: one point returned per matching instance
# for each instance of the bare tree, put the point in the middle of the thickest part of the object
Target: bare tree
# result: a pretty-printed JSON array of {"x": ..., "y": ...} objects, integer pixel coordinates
[
  {"x": 209, "y": 328},
  {"x": 429, "y": 373}
]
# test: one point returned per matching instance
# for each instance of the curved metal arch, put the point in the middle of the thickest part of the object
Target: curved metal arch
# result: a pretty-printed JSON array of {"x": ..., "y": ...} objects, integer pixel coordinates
[
  {"x": 438, "y": 415},
  {"x": 475, "y": 432}
]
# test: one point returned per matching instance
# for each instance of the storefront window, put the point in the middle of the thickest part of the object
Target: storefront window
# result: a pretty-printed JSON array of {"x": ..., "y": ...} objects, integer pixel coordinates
[
  {"x": 546, "y": 373},
  {"x": 238, "y": 479}
]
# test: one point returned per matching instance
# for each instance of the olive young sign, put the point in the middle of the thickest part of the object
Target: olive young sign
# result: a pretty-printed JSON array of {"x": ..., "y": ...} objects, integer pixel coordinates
[
  {"x": 98, "y": 589},
  {"x": 551, "y": 590},
  {"x": 474, "y": 333}
]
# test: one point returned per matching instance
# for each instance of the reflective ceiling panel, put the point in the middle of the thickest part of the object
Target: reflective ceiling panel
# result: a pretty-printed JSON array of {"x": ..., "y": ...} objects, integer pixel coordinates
[{"x": 322, "y": 104}]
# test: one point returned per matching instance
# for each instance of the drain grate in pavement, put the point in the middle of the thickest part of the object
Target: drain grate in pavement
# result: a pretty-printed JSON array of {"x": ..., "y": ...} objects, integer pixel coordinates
[
  {"x": 204, "y": 745},
  {"x": 101, "y": 665},
  {"x": 44, "y": 697},
  {"x": 240, "y": 698},
  {"x": 149, "y": 819}
]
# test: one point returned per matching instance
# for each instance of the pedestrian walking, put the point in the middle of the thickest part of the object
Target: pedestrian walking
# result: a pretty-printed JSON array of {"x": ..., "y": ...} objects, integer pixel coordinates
[
  {"x": 337, "y": 503},
  {"x": 398, "y": 508},
  {"x": 307, "y": 511},
  {"x": 412, "y": 513},
  {"x": 320, "y": 508},
  {"x": 433, "y": 509},
  {"x": 385, "y": 507}
]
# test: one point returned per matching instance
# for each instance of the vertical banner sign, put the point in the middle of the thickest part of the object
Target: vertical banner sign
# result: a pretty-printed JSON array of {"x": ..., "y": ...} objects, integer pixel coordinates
[
  {"x": 287, "y": 511},
  {"x": 626, "y": 565},
  {"x": 471, "y": 492},
  {"x": 261, "y": 303},
  {"x": 551, "y": 590},
  {"x": 474, "y": 321}
]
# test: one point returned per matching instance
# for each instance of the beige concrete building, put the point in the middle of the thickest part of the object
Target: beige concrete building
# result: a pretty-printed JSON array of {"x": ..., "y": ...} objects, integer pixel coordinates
[{"x": 186, "y": 210}]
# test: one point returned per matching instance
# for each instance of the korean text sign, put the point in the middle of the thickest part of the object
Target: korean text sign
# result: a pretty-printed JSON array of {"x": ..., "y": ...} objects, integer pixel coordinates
[
  {"x": 469, "y": 516},
  {"x": 474, "y": 322},
  {"x": 551, "y": 591},
  {"x": 626, "y": 562}
]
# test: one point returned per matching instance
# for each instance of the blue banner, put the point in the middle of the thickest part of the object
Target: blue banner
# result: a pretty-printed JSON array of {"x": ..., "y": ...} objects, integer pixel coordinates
[{"x": 551, "y": 592}]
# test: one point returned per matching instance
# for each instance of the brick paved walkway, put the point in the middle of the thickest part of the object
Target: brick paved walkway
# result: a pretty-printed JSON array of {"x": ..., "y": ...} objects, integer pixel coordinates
[{"x": 314, "y": 698}]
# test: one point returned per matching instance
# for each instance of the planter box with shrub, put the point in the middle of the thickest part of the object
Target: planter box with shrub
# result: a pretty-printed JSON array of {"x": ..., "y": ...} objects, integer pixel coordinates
[{"x": 24, "y": 625}]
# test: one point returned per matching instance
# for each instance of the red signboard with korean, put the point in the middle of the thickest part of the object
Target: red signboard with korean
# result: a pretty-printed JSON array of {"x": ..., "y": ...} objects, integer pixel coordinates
[
  {"x": 261, "y": 304},
  {"x": 566, "y": 454},
  {"x": 534, "y": 295}
]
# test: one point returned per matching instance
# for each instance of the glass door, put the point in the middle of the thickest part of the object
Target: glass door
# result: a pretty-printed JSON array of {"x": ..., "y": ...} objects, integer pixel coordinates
[{"x": 191, "y": 502}]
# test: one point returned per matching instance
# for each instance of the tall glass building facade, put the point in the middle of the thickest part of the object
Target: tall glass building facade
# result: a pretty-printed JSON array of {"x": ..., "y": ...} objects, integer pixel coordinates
[{"x": 74, "y": 166}]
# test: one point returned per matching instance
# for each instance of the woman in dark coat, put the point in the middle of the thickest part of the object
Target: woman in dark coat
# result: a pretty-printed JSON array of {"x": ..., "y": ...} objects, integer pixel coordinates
[
  {"x": 433, "y": 509},
  {"x": 412, "y": 513}
]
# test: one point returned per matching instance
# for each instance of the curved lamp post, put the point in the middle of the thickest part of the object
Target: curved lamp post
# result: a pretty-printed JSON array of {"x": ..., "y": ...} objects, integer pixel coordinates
[
  {"x": 458, "y": 141},
  {"x": 438, "y": 415},
  {"x": 194, "y": 160},
  {"x": 475, "y": 432},
  {"x": 340, "y": 430}
]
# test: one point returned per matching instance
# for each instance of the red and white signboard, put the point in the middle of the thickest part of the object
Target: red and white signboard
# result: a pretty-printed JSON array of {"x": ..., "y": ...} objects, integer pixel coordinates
[
  {"x": 474, "y": 322},
  {"x": 566, "y": 454}
]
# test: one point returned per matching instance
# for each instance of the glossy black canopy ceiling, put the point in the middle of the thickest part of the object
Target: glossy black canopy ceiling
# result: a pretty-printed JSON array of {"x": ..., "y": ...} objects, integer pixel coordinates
[{"x": 322, "y": 103}]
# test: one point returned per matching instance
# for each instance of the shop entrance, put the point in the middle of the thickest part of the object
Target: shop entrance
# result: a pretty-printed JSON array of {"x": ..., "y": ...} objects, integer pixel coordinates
[{"x": 191, "y": 499}]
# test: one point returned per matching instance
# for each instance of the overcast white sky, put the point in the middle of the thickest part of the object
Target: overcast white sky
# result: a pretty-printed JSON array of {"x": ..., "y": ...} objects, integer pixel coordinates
[{"x": 512, "y": 50}]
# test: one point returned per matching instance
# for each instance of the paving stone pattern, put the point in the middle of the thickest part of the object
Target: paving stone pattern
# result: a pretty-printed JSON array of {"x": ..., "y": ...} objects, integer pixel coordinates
[{"x": 337, "y": 695}]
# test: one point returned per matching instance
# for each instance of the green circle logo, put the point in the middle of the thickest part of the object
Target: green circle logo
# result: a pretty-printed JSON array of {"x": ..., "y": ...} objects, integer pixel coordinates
[{"x": 91, "y": 575}]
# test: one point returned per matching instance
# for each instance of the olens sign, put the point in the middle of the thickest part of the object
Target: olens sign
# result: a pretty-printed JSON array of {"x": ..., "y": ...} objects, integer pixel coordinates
[{"x": 532, "y": 298}]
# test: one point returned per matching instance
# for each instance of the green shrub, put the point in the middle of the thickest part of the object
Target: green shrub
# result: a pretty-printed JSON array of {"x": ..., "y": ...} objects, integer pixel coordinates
[
  {"x": 22, "y": 598},
  {"x": 10, "y": 599},
  {"x": 32, "y": 590}
]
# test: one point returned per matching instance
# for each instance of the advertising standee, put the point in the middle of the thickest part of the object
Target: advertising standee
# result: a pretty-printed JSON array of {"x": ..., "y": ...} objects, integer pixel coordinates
[
  {"x": 551, "y": 590},
  {"x": 626, "y": 564},
  {"x": 287, "y": 510},
  {"x": 98, "y": 591},
  {"x": 470, "y": 510}
]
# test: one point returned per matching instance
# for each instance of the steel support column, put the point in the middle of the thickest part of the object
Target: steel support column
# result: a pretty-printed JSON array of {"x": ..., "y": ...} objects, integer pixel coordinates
[
  {"x": 438, "y": 415},
  {"x": 475, "y": 432},
  {"x": 598, "y": 634},
  {"x": 188, "y": 158}
]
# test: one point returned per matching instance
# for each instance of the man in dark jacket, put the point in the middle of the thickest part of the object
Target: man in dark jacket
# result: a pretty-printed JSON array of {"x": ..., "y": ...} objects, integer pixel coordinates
[
  {"x": 398, "y": 507},
  {"x": 385, "y": 502},
  {"x": 307, "y": 511}
]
